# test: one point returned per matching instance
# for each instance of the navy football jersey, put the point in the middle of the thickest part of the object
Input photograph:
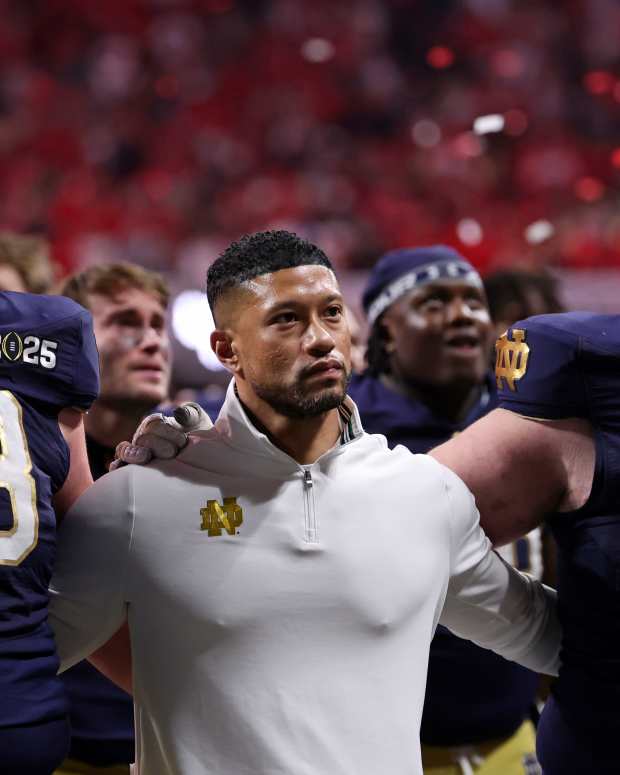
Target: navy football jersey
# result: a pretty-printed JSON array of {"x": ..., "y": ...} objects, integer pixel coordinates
[
  {"x": 48, "y": 361},
  {"x": 405, "y": 421},
  {"x": 472, "y": 694},
  {"x": 101, "y": 714},
  {"x": 568, "y": 365}
]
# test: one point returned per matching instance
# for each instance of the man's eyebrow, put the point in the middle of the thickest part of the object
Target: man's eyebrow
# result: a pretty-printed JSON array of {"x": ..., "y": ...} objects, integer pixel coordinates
[
  {"x": 428, "y": 288},
  {"x": 441, "y": 287},
  {"x": 117, "y": 311},
  {"x": 131, "y": 310},
  {"x": 296, "y": 301}
]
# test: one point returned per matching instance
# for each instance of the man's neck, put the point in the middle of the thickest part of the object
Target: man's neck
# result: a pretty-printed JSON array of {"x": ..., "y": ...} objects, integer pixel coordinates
[
  {"x": 453, "y": 402},
  {"x": 305, "y": 439},
  {"x": 109, "y": 425}
]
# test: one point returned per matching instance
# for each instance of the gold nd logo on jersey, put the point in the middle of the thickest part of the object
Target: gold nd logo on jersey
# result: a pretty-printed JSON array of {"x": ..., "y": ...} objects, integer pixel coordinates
[
  {"x": 216, "y": 517},
  {"x": 511, "y": 360}
]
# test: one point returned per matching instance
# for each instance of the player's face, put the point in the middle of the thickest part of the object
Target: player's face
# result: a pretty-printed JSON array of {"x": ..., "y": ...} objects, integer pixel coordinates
[
  {"x": 293, "y": 341},
  {"x": 134, "y": 356},
  {"x": 440, "y": 333},
  {"x": 10, "y": 279}
]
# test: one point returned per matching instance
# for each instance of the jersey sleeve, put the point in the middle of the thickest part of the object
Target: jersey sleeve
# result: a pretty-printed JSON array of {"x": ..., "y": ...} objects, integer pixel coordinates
[
  {"x": 491, "y": 603},
  {"x": 47, "y": 350},
  {"x": 85, "y": 386},
  {"x": 537, "y": 369},
  {"x": 88, "y": 592}
]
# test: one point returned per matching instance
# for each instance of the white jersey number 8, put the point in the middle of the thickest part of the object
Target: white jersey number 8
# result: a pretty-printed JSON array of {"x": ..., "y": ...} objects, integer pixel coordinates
[{"x": 18, "y": 541}]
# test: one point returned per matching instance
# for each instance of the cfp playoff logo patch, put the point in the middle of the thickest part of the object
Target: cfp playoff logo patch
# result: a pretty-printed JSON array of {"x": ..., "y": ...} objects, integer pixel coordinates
[
  {"x": 12, "y": 346},
  {"x": 216, "y": 518},
  {"x": 511, "y": 358},
  {"x": 29, "y": 349}
]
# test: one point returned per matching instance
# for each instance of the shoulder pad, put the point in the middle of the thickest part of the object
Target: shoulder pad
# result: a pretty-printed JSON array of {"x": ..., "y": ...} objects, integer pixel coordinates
[
  {"x": 47, "y": 349},
  {"x": 537, "y": 367}
]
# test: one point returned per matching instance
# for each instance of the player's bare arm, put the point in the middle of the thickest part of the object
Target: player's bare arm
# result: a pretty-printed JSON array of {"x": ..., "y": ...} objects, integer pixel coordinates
[
  {"x": 113, "y": 659},
  {"x": 79, "y": 478},
  {"x": 522, "y": 469}
]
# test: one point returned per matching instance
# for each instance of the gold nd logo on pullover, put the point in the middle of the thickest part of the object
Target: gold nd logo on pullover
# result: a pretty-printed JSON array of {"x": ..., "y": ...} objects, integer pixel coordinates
[{"x": 215, "y": 517}]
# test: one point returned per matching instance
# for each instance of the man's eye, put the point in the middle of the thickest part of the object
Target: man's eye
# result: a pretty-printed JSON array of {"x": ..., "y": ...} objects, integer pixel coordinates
[
  {"x": 334, "y": 311},
  {"x": 127, "y": 325},
  {"x": 285, "y": 317},
  {"x": 432, "y": 303}
]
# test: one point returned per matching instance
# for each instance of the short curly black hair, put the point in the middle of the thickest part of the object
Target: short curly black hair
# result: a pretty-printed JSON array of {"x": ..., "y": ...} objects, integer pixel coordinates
[{"x": 257, "y": 254}]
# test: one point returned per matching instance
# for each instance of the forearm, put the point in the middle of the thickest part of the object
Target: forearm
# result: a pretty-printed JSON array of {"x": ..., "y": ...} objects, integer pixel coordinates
[
  {"x": 80, "y": 630},
  {"x": 508, "y": 612},
  {"x": 113, "y": 659},
  {"x": 79, "y": 478}
]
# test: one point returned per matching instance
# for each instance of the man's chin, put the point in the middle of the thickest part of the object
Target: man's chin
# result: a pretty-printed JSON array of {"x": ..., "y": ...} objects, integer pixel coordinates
[
  {"x": 142, "y": 400},
  {"x": 333, "y": 396},
  {"x": 302, "y": 405},
  {"x": 314, "y": 404},
  {"x": 464, "y": 376}
]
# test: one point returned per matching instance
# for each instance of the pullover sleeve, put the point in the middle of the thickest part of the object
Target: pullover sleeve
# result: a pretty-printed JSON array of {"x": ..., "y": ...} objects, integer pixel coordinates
[
  {"x": 88, "y": 599},
  {"x": 491, "y": 603}
]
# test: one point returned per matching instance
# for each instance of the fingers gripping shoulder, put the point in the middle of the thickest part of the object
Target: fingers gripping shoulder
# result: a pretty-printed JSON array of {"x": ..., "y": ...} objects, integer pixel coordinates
[{"x": 162, "y": 437}]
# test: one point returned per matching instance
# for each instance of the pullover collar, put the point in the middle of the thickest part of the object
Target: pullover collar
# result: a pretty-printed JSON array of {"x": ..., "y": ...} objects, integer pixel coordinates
[{"x": 236, "y": 428}]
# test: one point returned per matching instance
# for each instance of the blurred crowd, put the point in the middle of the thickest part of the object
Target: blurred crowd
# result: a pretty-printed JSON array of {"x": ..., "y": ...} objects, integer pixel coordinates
[{"x": 159, "y": 130}]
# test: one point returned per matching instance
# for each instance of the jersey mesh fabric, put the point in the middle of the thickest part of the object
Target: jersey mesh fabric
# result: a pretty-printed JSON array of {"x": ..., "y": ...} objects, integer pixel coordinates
[
  {"x": 31, "y": 693},
  {"x": 573, "y": 370}
]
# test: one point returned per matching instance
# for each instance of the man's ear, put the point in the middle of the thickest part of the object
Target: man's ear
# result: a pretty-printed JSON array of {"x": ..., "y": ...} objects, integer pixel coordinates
[
  {"x": 223, "y": 346},
  {"x": 385, "y": 333}
]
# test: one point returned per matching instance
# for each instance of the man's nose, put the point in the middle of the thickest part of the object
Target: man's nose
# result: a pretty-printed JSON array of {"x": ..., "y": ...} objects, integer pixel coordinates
[
  {"x": 318, "y": 338},
  {"x": 151, "y": 338},
  {"x": 457, "y": 310}
]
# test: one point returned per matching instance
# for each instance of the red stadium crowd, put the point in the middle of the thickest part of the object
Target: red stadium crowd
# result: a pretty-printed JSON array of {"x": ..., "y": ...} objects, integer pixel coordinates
[{"x": 151, "y": 130}]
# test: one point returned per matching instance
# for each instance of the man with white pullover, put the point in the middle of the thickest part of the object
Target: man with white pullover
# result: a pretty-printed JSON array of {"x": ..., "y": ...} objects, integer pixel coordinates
[{"x": 283, "y": 577}]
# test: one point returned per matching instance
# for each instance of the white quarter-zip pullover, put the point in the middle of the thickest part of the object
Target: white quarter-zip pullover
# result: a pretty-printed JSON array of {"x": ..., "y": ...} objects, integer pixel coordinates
[{"x": 281, "y": 614}]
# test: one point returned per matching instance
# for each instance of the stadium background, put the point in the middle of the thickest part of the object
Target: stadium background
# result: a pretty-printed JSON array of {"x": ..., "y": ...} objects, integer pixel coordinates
[{"x": 158, "y": 130}]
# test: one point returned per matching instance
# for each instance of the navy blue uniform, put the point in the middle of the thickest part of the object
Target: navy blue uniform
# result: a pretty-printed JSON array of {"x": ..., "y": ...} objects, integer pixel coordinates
[
  {"x": 48, "y": 361},
  {"x": 558, "y": 366},
  {"x": 101, "y": 714},
  {"x": 405, "y": 421},
  {"x": 472, "y": 694}
]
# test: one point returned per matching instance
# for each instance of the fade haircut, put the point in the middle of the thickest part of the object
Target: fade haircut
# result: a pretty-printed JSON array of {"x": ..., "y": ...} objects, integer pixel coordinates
[
  {"x": 110, "y": 279},
  {"x": 257, "y": 254}
]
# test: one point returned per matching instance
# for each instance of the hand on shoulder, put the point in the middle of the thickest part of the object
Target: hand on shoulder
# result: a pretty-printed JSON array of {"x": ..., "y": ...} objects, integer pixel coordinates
[{"x": 160, "y": 437}]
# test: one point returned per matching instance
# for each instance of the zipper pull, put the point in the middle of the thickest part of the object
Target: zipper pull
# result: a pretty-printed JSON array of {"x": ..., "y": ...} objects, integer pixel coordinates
[{"x": 308, "y": 478}]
